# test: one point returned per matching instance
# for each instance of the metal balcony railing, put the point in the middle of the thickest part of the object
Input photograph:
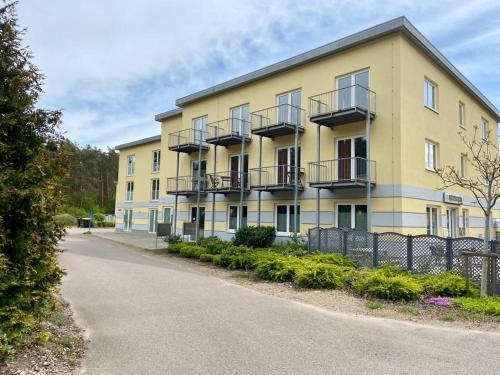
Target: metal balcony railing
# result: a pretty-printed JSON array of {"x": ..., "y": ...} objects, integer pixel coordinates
[
  {"x": 229, "y": 181},
  {"x": 342, "y": 102},
  {"x": 278, "y": 120},
  {"x": 228, "y": 132},
  {"x": 188, "y": 185},
  {"x": 188, "y": 140},
  {"x": 345, "y": 171},
  {"x": 277, "y": 177}
]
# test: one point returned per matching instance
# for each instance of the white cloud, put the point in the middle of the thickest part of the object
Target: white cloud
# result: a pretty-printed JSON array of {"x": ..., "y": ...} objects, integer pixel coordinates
[{"x": 111, "y": 64}]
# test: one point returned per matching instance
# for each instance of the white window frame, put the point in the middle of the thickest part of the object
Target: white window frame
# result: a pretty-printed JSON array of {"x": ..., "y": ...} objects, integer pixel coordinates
[
  {"x": 452, "y": 213},
  {"x": 127, "y": 219},
  {"x": 200, "y": 123},
  {"x": 155, "y": 193},
  {"x": 155, "y": 221},
  {"x": 155, "y": 162},
  {"x": 288, "y": 95},
  {"x": 429, "y": 225},
  {"x": 430, "y": 88},
  {"x": 288, "y": 206},
  {"x": 485, "y": 127},
  {"x": 353, "y": 83},
  {"x": 171, "y": 218},
  {"x": 461, "y": 114},
  {"x": 353, "y": 213},
  {"x": 130, "y": 165},
  {"x": 130, "y": 191},
  {"x": 245, "y": 120},
  {"x": 238, "y": 224},
  {"x": 435, "y": 147}
]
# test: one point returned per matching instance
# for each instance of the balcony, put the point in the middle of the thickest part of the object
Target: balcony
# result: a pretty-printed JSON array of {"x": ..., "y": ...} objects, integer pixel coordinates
[
  {"x": 188, "y": 185},
  {"x": 227, "y": 182},
  {"x": 278, "y": 121},
  {"x": 342, "y": 173},
  {"x": 228, "y": 132},
  {"x": 188, "y": 141},
  {"x": 276, "y": 178},
  {"x": 343, "y": 106}
]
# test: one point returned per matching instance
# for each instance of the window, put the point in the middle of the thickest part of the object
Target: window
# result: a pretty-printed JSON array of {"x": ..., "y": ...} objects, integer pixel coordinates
[
  {"x": 352, "y": 90},
  {"x": 289, "y": 108},
  {"x": 452, "y": 221},
  {"x": 430, "y": 93},
  {"x": 237, "y": 175},
  {"x": 194, "y": 211},
  {"x": 155, "y": 189},
  {"x": 153, "y": 219},
  {"x": 130, "y": 165},
  {"x": 167, "y": 215},
  {"x": 432, "y": 220},
  {"x": 200, "y": 129},
  {"x": 198, "y": 176},
  {"x": 463, "y": 165},
  {"x": 156, "y": 161},
  {"x": 127, "y": 220},
  {"x": 130, "y": 190},
  {"x": 465, "y": 223},
  {"x": 352, "y": 216},
  {"x": 461, "y": 114},
  {"x": 234, "y": 218},
  {"x": 485, "y": 128},
  {"x": 285, "y": 163},
  {"x": 285, "y": 219},
  {"x": 240, "y": 120},
  {"x": 430, "y": 155}
]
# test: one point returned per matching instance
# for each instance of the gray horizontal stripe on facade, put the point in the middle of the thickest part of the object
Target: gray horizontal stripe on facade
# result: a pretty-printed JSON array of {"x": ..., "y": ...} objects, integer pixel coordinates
[{"x": 139, "y": 142}]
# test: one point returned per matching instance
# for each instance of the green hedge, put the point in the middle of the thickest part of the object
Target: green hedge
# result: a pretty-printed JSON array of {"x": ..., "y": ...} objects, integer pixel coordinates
[
  {"x": 321, "y": 276},
  {"x": 446, "y": 284},
  {"x": 485, "y": 305},
  {"x": 255, "y": 236}
]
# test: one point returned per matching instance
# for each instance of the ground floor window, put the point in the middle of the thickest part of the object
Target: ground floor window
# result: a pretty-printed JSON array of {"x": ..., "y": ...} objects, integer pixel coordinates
[
  {"x": 285, "y": 218},
  {"x": 432, "y": 220},
  {"x": 465, "y": 223},
  {"x": 352, "y": 216},
  {"x": 153, "y": 219},
  {"x": 234, "y": 217},
  {"x": 127, "y": 220},
  {"x": 452, "y": 220},
  {"x": 167, "y": 215}
]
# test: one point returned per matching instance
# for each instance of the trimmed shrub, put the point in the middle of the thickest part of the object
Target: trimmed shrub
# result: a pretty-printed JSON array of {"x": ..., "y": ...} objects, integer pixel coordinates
[
  {"x": 321, "y": 276},
  {"x": 255, "y": 236},
  {"x": 65, "y": 220},
  {"x": 173, "y": 238},
  {"x": 207, "y": 258},
  {"x": 216, "y": 260},
  {"x": 379, "y": 284},
  {"x": 192, "y": 251},
  {"x": 485, "y": 305},
  {"x": 277, "y": 268},
  {"x": 335, "y": 259},
  {"x": 445, "y": 284},
  {"x": 214, "y": 245},
  {"x": 175, "y": 248}
]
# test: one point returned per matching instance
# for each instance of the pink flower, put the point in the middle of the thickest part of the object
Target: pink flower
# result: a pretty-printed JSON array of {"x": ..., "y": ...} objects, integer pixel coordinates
[{"x": 439, "y": 301}]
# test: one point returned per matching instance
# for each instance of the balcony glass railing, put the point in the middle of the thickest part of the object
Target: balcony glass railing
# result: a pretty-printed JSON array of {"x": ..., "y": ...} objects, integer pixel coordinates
[
  {"x": 343, "y": 99},
  {"x": 342, "y": 170}
]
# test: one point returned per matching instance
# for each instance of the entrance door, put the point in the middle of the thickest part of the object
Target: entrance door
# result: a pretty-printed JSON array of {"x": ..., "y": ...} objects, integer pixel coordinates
[
  {"x": 202, "y": 216},
  {"x": 127, "y": 220},
  {"x": 167, "y": 215},
  {"x": 198, "y": 176},
  {"x": 452, "y": 219},
  {"x": 236, "y": 172}
]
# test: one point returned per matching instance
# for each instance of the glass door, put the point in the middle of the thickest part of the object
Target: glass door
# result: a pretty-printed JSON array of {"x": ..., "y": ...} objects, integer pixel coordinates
[
  {"x": 127, "y": 220},
  {"x": 167, "y": 215},
  {"x": 202, "y": 216},
  {"x": 286, "y": 165},
  {"x": 352, "y": 90},
  {"x": 344, "y": 95},
  {"x": 200, "y": 129},
  {"x": 362, "y": 82},
  {"x": 344, "y": 159},
  {"x": 240, "y": 120},
  {"x": 289, "y": 108},
  {"x": 360, "y": 217},
  {"x": 153, "y": 218},
  {"x": 198, "y": 175},
  {"x": 282, "y": 165}
]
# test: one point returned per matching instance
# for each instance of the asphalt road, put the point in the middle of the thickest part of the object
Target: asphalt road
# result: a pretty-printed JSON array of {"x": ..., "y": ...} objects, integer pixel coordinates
[{"x": 146, "y": 315}]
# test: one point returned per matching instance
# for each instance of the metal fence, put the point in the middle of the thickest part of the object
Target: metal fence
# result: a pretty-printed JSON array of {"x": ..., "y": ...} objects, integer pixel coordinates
[{"x": 422, "y": 254}]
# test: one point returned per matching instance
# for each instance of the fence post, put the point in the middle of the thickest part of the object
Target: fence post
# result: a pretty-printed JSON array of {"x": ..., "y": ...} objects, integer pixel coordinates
[
  {"x": 309, "y": 240},
  {"x": 409, "y": 252},
  {"x": 319, "y": 239},
  {"x": 375, "y": 250},
  {"x": 449, "y": 253},
  {"x": 344, "y": 242}
]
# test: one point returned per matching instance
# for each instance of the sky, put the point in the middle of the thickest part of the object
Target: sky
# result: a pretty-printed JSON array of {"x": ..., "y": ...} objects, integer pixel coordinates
[{"x": 111, "y": 65}]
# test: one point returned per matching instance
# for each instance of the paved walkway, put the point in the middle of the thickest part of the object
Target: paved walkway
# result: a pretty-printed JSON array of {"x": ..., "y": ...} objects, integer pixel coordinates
[
  {"x": 147, "y": 315},
  {"x": 138, "y": 239}
]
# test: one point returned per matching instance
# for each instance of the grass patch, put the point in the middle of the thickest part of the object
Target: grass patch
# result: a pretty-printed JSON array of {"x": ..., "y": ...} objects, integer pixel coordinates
[
  {"x": 374, "y": 305},
  {"x": 486, "y": 305}
]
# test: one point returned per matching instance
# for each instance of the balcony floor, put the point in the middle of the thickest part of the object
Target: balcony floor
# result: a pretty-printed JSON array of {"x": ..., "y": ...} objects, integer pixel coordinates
[
  {"x": 188, "y": 148},
  {"x": 226, "y": 190},
  {"x": 228, "y": 140},
  {"x": 273, "y": 188},
  {"x": 334, "y": 185},
  {"x": 186, "y": 193},
  {"x": 347, "y": 116},
  {"x": 276, "y": 130}
]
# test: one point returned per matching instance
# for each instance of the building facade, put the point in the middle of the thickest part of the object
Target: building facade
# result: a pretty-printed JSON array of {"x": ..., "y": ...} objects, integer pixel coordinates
[{"x": 348, "y": 135}]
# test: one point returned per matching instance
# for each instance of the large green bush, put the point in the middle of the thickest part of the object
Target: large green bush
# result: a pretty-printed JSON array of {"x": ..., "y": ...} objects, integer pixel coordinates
[
  {"x": 192, "y": 251},
  {"x": 382, "y": 284},
  {"x": 214, "y": 245},
  {"x": 65, "y": 220},
  {"x": 445, "y": 284},
  {"x": 278, "y": 268},
  {"x": 255, "y": 236},
  {"x": 321, "y": 276},
  {"x": 485, "y": 305}
]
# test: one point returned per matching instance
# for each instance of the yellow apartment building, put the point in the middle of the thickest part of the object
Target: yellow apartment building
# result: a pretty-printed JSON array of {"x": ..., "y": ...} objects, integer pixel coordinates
[{"x": 348, "y": 135}]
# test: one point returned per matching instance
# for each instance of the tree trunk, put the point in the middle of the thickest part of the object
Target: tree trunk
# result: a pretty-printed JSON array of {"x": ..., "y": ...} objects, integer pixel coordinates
[{"x": 486, "y": 248}]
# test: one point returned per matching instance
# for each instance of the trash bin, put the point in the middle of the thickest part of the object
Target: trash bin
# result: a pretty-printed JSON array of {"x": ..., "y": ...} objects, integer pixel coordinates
[{"x": 86, "y": 222}]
